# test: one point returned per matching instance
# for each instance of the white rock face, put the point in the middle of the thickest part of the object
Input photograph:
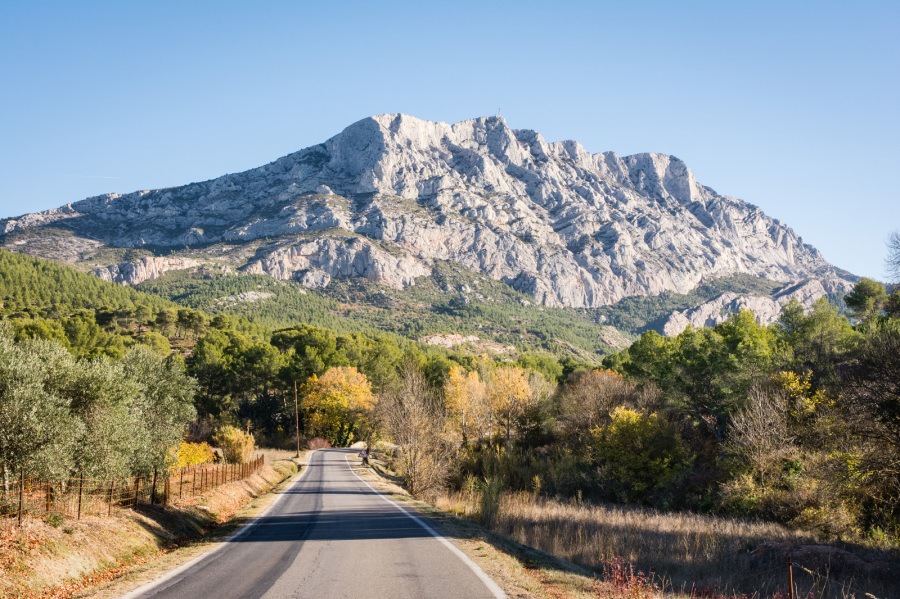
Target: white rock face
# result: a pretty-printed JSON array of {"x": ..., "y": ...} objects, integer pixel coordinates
[
  {"x": 354, "y": 257},
  {"x": 766, "y": 309},
  {"x": 312, "y": 278},
  {"x": 568, "y": 227},
  {"x": 132, "y": 273}
]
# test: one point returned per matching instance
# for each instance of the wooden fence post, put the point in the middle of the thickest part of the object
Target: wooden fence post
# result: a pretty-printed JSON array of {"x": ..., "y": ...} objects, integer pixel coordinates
[
  {"x": 80, "y": 489},
  {"x": 153, "y": 490},
  {"x": 790, "y": 577},
  {"x": 21, "y": 492}
]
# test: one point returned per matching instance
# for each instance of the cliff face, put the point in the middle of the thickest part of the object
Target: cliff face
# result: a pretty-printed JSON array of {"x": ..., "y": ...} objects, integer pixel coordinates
[
  {"x": 766, "y": 309},
  {"x": 392, "y": 193},
  {"x": 132, "y": 273}
]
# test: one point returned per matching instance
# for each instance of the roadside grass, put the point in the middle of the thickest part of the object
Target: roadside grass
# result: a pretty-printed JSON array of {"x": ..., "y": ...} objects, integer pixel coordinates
[
  {"x": 543, "y": 547},
  {"x": 105, "y": 557},
  {"x": 684, "y": 553}
]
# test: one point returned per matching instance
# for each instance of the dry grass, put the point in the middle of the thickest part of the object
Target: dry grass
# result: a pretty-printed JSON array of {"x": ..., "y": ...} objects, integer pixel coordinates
[
  {"x": 42, "y": 561},
  {"x": 684, "y": 551},
  {"x": 274, "y": 455}
]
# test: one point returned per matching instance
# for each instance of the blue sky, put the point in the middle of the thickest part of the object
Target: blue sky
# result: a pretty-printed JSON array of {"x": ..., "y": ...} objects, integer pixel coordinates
[{"x": 790, "y": 106}]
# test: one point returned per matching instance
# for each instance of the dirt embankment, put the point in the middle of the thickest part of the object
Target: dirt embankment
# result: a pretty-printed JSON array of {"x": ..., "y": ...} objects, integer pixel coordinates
[{"x": 43, "y": 561}]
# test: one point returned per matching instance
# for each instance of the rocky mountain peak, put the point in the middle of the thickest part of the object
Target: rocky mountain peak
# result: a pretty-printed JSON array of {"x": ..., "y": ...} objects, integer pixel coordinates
[{"x": 391, "y": 193}]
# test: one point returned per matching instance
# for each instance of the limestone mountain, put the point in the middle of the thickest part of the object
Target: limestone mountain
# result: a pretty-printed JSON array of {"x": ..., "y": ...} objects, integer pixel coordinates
[{"x": 390, "y": 195}]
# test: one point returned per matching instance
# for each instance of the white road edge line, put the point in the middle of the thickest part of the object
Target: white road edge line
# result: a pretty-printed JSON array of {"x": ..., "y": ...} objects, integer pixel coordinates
[
  {"x": 221, "y": 545},
  {"x": 492, "y": 586}
]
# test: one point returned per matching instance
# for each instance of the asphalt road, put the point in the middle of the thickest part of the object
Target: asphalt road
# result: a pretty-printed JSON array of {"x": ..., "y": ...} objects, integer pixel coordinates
[{"x": 331, "y": 536}]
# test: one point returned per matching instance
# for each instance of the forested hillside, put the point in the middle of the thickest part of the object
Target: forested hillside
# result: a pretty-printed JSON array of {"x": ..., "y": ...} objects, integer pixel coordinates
[
  {"x": 449, "y": 301},
  {"x": 29, "y": 285}
]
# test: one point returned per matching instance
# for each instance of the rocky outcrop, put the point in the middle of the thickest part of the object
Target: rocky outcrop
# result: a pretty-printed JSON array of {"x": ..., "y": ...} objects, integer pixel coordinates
[
  {"x": 310, "y": 262},
  {"x": 766, "y": 309},
  {"x": 132, "y": 273},
  {"x": 37, "y": 219},
  {"x": 566, "y": 226},
  {"x": 481, "y": 346}
]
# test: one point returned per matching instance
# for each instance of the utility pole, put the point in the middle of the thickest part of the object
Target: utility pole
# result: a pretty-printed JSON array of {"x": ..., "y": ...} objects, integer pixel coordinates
[{"x": 297, "y": 418}]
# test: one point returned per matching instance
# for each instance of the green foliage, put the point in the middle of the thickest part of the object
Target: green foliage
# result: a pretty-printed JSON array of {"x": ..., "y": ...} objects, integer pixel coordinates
[
  {"x": 54, "y": 520},
  {"x": 164, "y": 404},
  {"x": 157, "y": 343},
  {"x": 35, "y": 286},
  {"x": 818, "y": 340},
  {"x": 495, "y": 311},
  {"x": 35, "y": 424},
  {"x": 60, "y": 415},
  {"x": 491, "y": 492},
  {"x": 636, "y": 315},
  {"x": 867, "y": 298},
  {"x": 706, "y": 373},
  {"x": 640, "y": 452},
  {"x": 546, "y": 364}
]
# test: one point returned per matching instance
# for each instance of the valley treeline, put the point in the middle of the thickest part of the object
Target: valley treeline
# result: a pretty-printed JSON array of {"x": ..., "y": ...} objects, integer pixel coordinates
[{"x": 797, "y": 422}]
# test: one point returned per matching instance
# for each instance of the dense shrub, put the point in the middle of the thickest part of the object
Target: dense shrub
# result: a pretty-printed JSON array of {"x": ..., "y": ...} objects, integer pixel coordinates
[
  {"x": 640, "y": 452},
  {"x": 237, "y": 446}
]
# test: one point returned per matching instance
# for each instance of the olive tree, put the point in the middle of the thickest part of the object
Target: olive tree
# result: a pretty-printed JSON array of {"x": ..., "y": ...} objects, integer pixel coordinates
[{"x": 36, "y": 428}]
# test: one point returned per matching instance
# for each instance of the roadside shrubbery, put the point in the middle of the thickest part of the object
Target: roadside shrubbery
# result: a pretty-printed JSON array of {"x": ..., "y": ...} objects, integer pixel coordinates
[{"x": 237, "y": 446}]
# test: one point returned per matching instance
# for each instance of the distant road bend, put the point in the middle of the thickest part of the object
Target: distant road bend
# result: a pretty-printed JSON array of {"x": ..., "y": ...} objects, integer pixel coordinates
[{"x": 331, "y": 536}]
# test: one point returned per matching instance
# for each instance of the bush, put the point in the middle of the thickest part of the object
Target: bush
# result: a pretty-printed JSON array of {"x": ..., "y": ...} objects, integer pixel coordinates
[
  {"x": 237, "y": 446},
  {"x": 489, "y": 502},
  {"x": 190, "y": 454},
  {"x": 640, "y": 452}
]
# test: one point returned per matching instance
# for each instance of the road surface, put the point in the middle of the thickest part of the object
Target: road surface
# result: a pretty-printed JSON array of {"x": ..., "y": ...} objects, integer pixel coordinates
[{"x": 330, "y": 536}]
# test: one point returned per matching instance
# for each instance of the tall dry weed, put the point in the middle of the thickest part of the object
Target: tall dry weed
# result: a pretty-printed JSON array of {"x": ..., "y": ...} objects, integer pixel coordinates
[{"x": 686, "y": 552}]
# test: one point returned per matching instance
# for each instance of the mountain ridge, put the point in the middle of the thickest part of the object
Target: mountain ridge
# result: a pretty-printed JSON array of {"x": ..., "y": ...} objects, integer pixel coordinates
[{"x": 391, "y": 194}]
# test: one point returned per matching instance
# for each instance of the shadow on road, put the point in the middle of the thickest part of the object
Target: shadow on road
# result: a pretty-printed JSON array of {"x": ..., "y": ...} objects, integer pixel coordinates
[{"x": 351, "y": 524}]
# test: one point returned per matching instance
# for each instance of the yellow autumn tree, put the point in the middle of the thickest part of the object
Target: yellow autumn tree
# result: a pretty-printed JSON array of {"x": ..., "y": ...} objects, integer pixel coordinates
[
  {"x": 338, "y": 404},
  {"x": 189, "y": 454},
  {"x": 465, "y": 398},
  {"x": 803, "y": 404},
  {"x": 509, "y": 394}
]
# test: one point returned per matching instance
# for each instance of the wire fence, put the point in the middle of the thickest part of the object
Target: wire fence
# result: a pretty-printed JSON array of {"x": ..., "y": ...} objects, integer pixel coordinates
[{"x": 81, "y": 496}]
